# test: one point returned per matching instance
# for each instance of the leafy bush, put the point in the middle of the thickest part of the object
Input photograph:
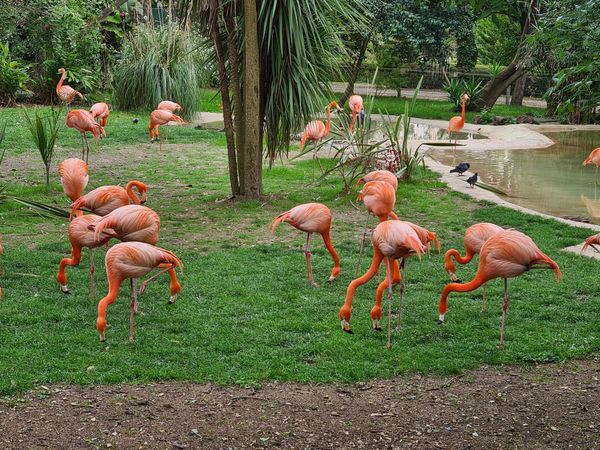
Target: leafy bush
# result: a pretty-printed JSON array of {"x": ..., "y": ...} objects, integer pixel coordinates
[
  {"x": 158, "y": 63},
  {"x": 44, "y": 131},
  {"x": 457, "y": 87},
  {"x": 13, "y": 76}
]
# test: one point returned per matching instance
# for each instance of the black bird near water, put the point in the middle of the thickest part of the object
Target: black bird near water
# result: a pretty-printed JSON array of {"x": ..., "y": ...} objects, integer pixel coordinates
[
  {"x": 461, "y": 168},
  {"x": 472, "y": 180}
]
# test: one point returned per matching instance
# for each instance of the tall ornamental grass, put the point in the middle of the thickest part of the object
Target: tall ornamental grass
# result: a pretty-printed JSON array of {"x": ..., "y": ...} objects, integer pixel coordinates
[{"x": 158, "y": 63}]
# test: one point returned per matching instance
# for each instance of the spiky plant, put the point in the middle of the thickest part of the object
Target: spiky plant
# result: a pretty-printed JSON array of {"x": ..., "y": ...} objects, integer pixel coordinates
[
  {"x": 158, "y": 63},
  {"x": 44, "y": 131}
]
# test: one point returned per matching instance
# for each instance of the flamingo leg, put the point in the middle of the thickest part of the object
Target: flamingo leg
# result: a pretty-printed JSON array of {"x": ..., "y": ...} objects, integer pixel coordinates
[
  {"x": 390, "y": 292},
  {"x": 504, "y": 309},
  {"x": 311, "y": 279},
  {"x": 87, "y": 144},
  {"x": 145, "y": 283},
  {"x": 82, "y": 147},
  {"x": 483, "y": 300},
  {"x": 133, "y": 308},
  {"x": 596, "y": 180},
  {"x": 92, "y": 271},
  {"x": 402, "y": 288},
  {"x": 362, "y": 245}
]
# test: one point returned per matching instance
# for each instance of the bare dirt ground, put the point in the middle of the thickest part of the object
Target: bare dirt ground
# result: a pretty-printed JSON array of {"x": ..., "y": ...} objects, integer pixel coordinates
[{"x": 554, "y": 406}]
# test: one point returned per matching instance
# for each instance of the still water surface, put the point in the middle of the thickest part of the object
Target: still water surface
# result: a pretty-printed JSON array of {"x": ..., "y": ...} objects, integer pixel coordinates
[{"x": 550, "y": 180}]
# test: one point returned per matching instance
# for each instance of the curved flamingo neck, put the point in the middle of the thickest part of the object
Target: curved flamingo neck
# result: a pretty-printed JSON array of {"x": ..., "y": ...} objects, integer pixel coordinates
[
  {"x": 132, "y": 195},
  {"x": 328, "y": 124},
  {"x": 331, "y": 249},
  {"x": 459, "y": 287},
  {"x": 60, "y": 83}
]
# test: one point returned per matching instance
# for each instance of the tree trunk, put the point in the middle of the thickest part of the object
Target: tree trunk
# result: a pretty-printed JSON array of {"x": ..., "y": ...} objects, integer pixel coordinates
[
  {"x": 47, "y": 177},
  {"x": 238, "y": 106},
  {"x": 227, "y": 119},
  {"x": 252, "y": 120},
  {"x": 355, "y": 70},
  {"x": 518, "y": 91}
]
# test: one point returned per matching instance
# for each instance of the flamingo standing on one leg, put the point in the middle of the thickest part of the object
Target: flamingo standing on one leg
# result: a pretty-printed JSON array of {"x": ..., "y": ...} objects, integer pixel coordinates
[
  {"x": 73, "y": 177},
  {"x": 134, "y": 260},
  {"x": 82, "y": 121},
  {"x": 506, "y": 254},
  {"x": 161, "y": 117},
  {"x": 170, "y": 106},
  {"x": 81, "y": 236},
  {"x": 106, "y": 199},
  {"x": 316, "y": 130},
  {"x": 475, "y": 237},
  {"x": 457, "y": 122},
  {"x": 64, "y": 92},
  {"x": 356, "y": 106},
  {"x": 593, "y": 158},
  {"x": 311, "y": 218},
  {"x": 130, "y": 223},
  {"x": 391, "y": 239},
  {"x": 100, "y": 111}
]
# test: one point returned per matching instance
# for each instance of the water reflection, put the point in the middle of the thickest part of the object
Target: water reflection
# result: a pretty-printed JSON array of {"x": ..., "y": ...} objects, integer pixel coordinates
[
  {"x": 550, "y": 180},
  {"x": 424, "y": 132}
]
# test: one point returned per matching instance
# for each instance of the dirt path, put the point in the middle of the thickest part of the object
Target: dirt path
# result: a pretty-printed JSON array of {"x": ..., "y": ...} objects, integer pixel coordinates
[{"x": 554, "y": 406}]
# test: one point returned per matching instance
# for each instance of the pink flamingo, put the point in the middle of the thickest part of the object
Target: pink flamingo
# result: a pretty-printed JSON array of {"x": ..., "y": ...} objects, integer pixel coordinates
[
  {"x": 311, "y": 218},
  {"x": 506, "y": 254},
  {"x": 475, "y": 237},
  {"x": 64, "y": 92},
  {"x": 316, "y": 130},
  {"x": 134, "y": 260},
  {"x": 457, "y": 122},
  {"x": 105, "y": 199},
  {"x": 130, "y": 223},
  {"x": 73, "y": 177},
  {"x": 161, "y": 117},
  {"x": 170, "y": 106},
  {"x": 593, "y": 158},
  {"x": 391, "y": 239},
  {"x": 81, "y": 236},
  {"x": 82, "y": 121},
  {"x": 379, "y": 175},
  {"x": 100, "y": 111},
  {"x": 356, "y": 106}
]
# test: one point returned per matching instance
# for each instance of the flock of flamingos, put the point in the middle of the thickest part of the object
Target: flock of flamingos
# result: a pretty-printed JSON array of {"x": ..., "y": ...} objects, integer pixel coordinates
[{"x": 117, "y": 212}]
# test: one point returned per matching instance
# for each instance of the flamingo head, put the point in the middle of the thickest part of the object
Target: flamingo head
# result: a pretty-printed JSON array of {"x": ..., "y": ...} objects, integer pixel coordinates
[
  {"x": 142, "y": 190},
  {"x": 465, "y": 97},
  {"x": 333, "y": 105},
  {"x": 61, "y": 70}
]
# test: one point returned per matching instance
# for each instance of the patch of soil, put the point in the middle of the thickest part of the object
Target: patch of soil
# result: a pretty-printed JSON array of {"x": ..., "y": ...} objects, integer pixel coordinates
[{"x": 554, "y": 406}]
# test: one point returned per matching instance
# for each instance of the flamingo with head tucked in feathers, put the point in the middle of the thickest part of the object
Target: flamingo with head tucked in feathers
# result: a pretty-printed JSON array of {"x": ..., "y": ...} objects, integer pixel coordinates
[
  {"x": 134, "y": 260},
  {"x": 105, "y": 199},
  {"x": 73, "y": 177},
  {"x": 129, "y": 223},
  {"x": 356, "y": 106},
  {"x": 391, "y": 240},
  {"x": 161, "y": 117},
  {"x": 506, "y": 254},
  {"x": 64, "y": 92},
  {"x": 312, "y": 218}
]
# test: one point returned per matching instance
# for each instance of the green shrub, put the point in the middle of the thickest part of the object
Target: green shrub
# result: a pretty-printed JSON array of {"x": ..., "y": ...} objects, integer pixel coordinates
[
  {"x": 13, "y": 76},
  {"x": 158, "y": 63},
  {"x": 457, "y": 87}
]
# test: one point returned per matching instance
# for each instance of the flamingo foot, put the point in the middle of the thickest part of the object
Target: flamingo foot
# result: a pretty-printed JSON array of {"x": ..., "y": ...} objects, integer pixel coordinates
[
  {"x": 453, "y": 277},
  {"x": 102, "y": 336},
  {"x": 377, "y": 325},
  {"x": 331, "y": 278},
  {"x": 313, "y": 284},
  {"x": 64, "y": 289},
  {"x": 500, "y": 345},
  {"x": 142, "y": 288},
  {"x": 172, "y": 299},
  {"x": 346, "y": 326},
  {"x": 441, "y": 319}
]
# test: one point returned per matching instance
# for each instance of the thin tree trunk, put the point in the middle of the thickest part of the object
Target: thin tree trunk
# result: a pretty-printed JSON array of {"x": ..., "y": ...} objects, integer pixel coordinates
[
  {"x": 227, "y": 119},
  {"x": 253, "y": 149},
  {"x": 47, "y": 177},
  {"x": 518, "y": 91},
  {"x": 238, "y": 106},
  {"x": 355, "y": 70}
]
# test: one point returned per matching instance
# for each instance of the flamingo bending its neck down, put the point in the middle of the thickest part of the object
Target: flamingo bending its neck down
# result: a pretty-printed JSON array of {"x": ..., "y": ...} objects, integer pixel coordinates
[
  {"x": 80, "y": 236},
  {"x": 100, "y": 111},
  {"x": 64, "y": 92},
  {"x": 312, "y": 218},
  {"x": 391, "y": 239},
  {"x": 170, "y": 106},
  {"x": 475, "y": 237},
  {"x": 82, "y": 121},
  {"x": 134, "y": 260},
  {"x": 161, "y": 117},
  {"x": 457, "y": 123},
  {"x": 106, "y": 199},
  {"x": 73, "y": 177},
  {"x": 506, "y": 254},
  {"x": 593, "y": 158},
  {"x": 356, "y": 106},
  {"x": 379, "y": 175}
]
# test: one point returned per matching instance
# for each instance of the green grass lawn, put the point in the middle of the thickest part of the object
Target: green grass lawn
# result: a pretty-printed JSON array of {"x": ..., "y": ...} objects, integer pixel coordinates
[{"x": 246, "y": 313}]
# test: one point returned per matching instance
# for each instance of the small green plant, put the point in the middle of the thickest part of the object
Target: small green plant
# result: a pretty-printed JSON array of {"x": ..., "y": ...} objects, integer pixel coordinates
[
  {"x": 13, "y": 76},
  {"x": 44, "y": 131},
  {"x": 486, "y": 116},
  {"x": 456, "y": 88},
  {"x": 495, "y": 69}
]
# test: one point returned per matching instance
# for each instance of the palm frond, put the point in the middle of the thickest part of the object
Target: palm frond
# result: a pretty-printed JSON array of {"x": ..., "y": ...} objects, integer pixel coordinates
[{"x": 42, "y": 208}]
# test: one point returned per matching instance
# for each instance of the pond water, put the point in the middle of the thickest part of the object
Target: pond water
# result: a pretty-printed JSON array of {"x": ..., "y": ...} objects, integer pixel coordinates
[{"x": 551, "y": 180}]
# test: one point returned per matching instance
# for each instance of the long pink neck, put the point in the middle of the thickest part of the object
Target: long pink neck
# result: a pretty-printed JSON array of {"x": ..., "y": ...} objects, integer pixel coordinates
[
  {"x": 462, "y": 114},
  {"x": 132, "y": 195},
  {"x": 459, "y": 287},
  {"x": 328, "y": 124},
  {"x": 329, "y": 245},
  {"x": 60, "y": 83},
  {"x": 346, "y": 309},
  {"x": 114, "y": 283},
  {"x": 459, "y": 259}
]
